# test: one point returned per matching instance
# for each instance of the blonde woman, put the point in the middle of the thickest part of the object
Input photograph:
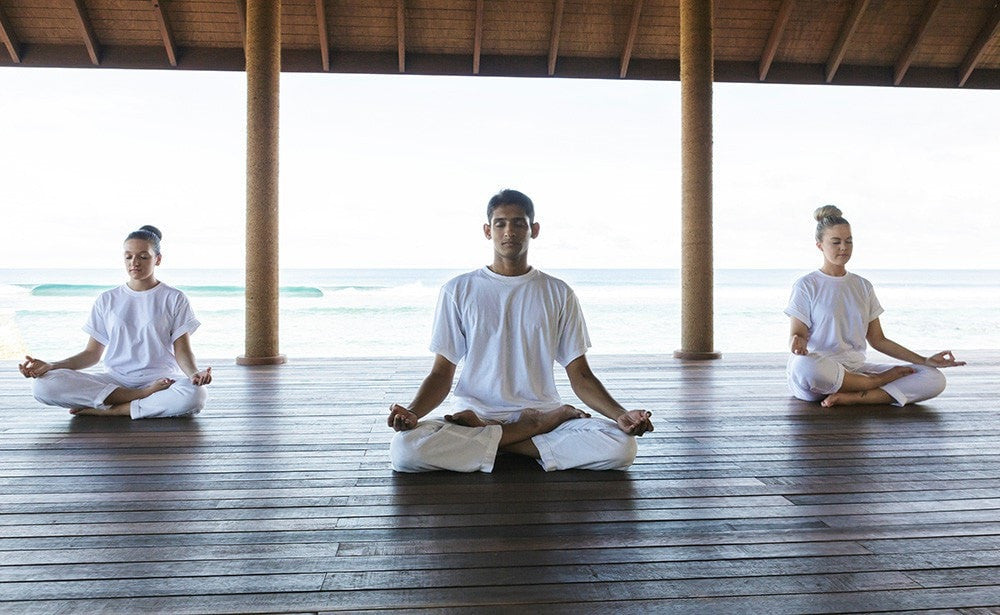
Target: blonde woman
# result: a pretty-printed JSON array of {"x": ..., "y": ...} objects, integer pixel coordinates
[{"x": 834, "y": 317}]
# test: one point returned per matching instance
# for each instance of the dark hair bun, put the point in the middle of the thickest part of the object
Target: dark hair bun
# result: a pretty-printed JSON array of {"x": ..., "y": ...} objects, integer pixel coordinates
[{"x": 149, "y": 228}]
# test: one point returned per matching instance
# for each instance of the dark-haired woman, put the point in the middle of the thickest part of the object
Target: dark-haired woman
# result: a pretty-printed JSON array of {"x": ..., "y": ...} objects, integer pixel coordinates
[
  {"x": 143, "y": 328},
  {"x": 834, "y": 316}
]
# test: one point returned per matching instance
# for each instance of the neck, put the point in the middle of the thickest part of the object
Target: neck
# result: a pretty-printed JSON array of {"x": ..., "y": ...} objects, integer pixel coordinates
[
  {"x": 510, "y": 268},
  {"x": 834, "y": 270},
  {"x": 140, "y": 285}
]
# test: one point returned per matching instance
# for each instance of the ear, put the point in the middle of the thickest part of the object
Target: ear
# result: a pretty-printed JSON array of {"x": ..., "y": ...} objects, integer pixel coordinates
[
  {"x": 487, "y": 232},
  {"x": 158, "y": 257},
  {"x": 534, "y": 230},
  {"x": 819, "y": 246}
]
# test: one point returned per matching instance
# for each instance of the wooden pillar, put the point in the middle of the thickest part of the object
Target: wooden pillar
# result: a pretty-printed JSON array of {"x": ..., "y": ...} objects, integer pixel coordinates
[
  {"x": 263, "y": 54},
  {"x": 696, "y": 182}
]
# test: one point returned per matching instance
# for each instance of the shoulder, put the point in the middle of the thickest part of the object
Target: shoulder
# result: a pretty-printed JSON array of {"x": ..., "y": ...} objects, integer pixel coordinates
[
  {"x": 550, "y": 281},
  {"x": 808, "y": 281},
  {"x": 859, "y": 281},
  {"x": 463, "y": 281}
]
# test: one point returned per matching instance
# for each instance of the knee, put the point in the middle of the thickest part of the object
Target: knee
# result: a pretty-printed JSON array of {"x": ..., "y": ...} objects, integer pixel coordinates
[
  {"x": 935, "y": 381},
  {"x": 193, "y": 398},
  {"x": 46, "y": 388},
  {"x": 811, "y": 376},
  {"x": 405, "y": 452},
  {"x": 624, "y": 454}
]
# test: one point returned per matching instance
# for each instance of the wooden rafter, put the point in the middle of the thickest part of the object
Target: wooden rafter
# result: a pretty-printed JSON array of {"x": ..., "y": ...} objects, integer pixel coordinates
[
  {"x": 168, "y": 37},
  {"x": 846, "y": 32},
  {"x": 477, "y": 45},
  {"x": 9, "y": 39},
  {"x": 773, "y": 39},
  {"x": 975, "y": 54},
  {"x": 324, "y": 36},
  {"x": 557, "y": 16},
  {"x": 910, "y": 51},
  {"x": 241, "y": 13},
  {"x": 633, "y": 31},
  {"x": 89, "y": 38},
  {"x": 401, "y": 33}
]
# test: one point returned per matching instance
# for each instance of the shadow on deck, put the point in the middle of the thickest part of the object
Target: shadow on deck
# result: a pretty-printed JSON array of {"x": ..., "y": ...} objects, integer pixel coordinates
[{"x": 279, "y": 498}]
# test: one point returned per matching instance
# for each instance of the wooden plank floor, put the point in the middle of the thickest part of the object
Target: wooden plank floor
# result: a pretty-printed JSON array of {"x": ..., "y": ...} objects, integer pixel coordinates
[{"x": 279, "y": 498}]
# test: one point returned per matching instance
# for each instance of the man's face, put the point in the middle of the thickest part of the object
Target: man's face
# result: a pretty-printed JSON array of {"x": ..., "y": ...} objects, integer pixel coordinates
[{"x": 511, "y": 231}]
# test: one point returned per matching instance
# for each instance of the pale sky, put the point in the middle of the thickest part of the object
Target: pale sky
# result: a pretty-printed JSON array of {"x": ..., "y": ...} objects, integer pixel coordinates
[{"x": 395, "y": 171}]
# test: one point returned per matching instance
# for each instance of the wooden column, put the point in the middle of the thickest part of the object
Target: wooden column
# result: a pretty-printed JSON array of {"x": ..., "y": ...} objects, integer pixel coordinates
[
  {"x": 263, "y": 53},
  {"x": 696, "y": 181}
]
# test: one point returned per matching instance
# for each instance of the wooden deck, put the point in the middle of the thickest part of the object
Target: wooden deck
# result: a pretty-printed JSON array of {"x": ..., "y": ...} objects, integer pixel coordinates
[{"x": 279, "y": 498}]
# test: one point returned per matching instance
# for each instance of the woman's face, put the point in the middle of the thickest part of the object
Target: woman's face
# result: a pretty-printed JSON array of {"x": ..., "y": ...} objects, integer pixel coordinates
[
  {"x": 837, "y": 245},
  {"x": 140, "y": 260}
]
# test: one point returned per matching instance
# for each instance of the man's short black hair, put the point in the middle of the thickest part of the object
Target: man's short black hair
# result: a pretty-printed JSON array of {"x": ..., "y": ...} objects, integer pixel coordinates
[{"x": 511, "y": 197}]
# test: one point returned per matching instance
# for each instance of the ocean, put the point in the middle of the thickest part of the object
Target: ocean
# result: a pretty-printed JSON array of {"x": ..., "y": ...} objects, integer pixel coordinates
[{"x": 388, "y": 312}]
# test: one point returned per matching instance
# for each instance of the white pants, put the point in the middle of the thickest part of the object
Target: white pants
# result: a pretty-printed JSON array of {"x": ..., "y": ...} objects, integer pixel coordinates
[
  {"x": 813, "y": 377},
  {"x": 70, "y": 388},
  {"x": 585, "y": 444}
]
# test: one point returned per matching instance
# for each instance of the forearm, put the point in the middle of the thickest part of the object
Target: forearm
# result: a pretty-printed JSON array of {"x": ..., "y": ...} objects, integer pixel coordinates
[
  {"x": 591, "y": 391},
  {"x": 81, "y": 360},
  {"x": 897, "y": 351},
  {"x": 433, "y": 390},
  {"x": 187, "y": 363}
]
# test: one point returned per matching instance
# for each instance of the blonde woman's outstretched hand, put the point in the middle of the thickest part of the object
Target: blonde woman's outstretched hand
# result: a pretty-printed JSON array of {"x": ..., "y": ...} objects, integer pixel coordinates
[{"x": 945, "y": 358}]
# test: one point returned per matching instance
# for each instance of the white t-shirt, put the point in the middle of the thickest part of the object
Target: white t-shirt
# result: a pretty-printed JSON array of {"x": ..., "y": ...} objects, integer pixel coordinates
[
  {"x": 837, "y": 310},
  {"x": 138, "y": 330},
  {"x": 509, "y": 330}
]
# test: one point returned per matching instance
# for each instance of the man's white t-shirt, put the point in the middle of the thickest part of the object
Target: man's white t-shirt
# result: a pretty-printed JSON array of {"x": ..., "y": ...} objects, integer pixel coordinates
[
  {"x": 837, "y": 310},
  {"x": 509, "y": 330},
  {"x": 138, "y": 330}
]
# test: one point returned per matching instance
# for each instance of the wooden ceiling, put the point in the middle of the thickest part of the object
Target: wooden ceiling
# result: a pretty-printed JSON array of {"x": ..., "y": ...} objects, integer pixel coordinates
[{"x": 926, "y": 43}]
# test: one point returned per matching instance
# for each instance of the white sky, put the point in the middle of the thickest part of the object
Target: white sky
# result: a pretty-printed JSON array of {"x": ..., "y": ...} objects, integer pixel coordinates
[{"x": 395, "y": 171}]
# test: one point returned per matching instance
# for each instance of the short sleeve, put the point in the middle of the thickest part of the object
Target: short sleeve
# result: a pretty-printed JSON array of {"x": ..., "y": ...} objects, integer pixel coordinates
[
  {"x": 800, "y": 304},
  {"x": 874, "y": 307},
  {"x": 184, "y": 320},
  {"x": 573, "y": 337},
  {"x": 448, "y": 335},
  {"x": 97, "y": 326}
]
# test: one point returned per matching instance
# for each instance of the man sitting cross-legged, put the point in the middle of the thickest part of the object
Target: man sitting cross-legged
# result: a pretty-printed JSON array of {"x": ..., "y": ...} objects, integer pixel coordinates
[{"x": 509, "y": 323}]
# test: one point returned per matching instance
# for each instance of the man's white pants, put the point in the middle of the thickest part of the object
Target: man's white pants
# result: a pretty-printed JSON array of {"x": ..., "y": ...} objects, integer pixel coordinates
[
  {"x": 586, "y": 444},
  {"x": 813, "y": 377},
  {"x": 70, "y": 388}
]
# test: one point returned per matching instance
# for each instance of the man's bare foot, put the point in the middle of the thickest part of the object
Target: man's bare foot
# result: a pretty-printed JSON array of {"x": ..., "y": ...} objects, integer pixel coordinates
[
  {"x": 123, "y": 395},
  {"x": 467, "y": 418},
  {"x": 878, "y": 396},
  {"x": 159, "y": 385}
]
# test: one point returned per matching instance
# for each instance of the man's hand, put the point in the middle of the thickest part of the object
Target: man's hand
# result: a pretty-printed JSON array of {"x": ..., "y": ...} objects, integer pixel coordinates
[
  {"x": 402, "y": 419},
  {"x": 33, "y": 368},
  {"x": 635, "y": 422}
]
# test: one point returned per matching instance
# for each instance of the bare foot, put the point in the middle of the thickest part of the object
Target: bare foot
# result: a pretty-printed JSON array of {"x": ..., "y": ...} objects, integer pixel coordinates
[
  {"x": 894, "y": 373},
  {"x": 467, "y": 418},
  {"x": 116, "y": 410},
  {"x": 878, "y": 396},
  {"x": 159, "y": 385}
]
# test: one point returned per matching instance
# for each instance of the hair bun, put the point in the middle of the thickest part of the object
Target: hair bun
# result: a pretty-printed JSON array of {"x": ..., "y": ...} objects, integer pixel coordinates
[
  {"x": 827, "y": 211},
  {"x": 149, "y": 228}
]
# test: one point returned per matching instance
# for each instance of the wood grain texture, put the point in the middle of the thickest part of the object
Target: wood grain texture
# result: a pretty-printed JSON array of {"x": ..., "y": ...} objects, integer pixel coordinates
[{"x": 279, "y": 498}]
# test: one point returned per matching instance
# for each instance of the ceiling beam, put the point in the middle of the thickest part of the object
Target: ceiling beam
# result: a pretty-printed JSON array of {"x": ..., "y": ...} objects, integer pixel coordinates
[
  {"x": 9, "y": 39},
  {"x": 324, "y": 36},
  {"x": 773, "y": 39},
  {"x": 846, "y": 32},
  {"x": 401, "y": 33},
  {"x": 89, "y": 39},
  {"x": 241, "y": 12},
  {"x": 910, "y": 51},
  {"x": 168, "y": 37},
  {"x": 975, "y": 54},
  {"x": 477, "y": 45},
  {"x": 557, "y": 16},
  {"x": 633, "y": 31}
]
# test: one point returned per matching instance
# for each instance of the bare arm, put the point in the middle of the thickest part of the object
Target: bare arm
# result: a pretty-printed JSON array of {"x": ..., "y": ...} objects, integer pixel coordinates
[
  {"x": 35, "y": 368},
  {"x": 592, "y": 392},
  {"x": 799, "y": 337},
  {"x": 185, "y": 359},
  {"x": 881, "y": 343},
  {"x": 433, "y": 390}
]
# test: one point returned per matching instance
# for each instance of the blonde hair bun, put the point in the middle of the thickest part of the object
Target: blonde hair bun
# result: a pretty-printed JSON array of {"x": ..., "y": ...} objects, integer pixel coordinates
[{"x": 827, "y": 211}]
